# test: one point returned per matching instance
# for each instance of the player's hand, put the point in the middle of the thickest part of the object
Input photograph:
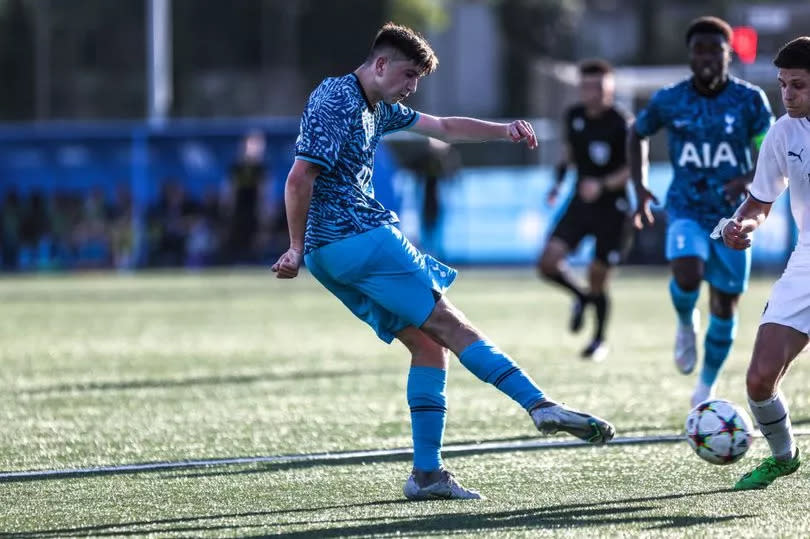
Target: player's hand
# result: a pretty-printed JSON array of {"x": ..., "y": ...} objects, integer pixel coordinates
[
  {"x": 735, "y": 188},
  {"x": 737, "y": 233},
  {"x": 589, "y": 189},
  {"x": 522, "y": 130},
  {"x": 643, "y": 212},
  {"x": 551, "y": 196},
  {"x": 287, "y": 265}
]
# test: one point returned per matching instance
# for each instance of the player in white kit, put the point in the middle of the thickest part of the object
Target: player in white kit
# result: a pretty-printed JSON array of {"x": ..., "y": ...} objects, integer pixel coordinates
[{"x": 783, "y": 163}]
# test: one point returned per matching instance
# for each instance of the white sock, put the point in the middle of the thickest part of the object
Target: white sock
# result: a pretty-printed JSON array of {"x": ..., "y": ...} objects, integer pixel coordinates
[
  {"x": 773, "y": 419},
  {"x": 702, "y": 392}
]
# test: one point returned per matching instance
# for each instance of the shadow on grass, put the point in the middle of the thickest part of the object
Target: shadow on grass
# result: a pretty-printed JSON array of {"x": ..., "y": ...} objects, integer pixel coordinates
[
  {"x": 401, "y": 455},
  {"x": 620, "y": 512},
  {"x": 212, "y": 467},
  {"x": 260, "y": 464},
  {"x": 195, "y": 381}
]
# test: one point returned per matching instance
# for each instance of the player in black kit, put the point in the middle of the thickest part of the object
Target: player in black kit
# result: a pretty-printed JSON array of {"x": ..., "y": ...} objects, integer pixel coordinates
[{"x": 595, "y": 132}]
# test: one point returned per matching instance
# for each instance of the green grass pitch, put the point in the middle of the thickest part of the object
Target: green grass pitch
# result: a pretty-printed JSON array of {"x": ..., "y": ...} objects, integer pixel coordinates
[{"x": 106, "y": 370}]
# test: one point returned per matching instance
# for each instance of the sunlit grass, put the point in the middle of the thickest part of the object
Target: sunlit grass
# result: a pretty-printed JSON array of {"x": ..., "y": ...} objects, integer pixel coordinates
[{"x": 108, "y": 369}]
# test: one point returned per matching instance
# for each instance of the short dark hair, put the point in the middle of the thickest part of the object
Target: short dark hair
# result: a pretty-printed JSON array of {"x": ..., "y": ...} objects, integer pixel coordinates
[
  {"x": 595, "y": 66},
  {"x": 794, "y": 54},
  {"x": 410, "y": 43},
  {"x": 709, "y": 25}
]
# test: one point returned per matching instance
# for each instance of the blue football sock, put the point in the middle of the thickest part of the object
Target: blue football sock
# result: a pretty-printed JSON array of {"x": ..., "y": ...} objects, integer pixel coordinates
[
  {"x": 491, "y": 365},
  {"x": 684, "y": 302},
  {"x": 719, "y": 338},
  {"x": 428, "y": 404}
]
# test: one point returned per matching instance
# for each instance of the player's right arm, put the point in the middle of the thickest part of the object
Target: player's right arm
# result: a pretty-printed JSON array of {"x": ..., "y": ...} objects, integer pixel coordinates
[
  {"x": 648, "y": 121},
  {"x": 297, "y": 195},
  {"x": 770, "y": 181},
  {"x": 638, "y": 160},
  {"x": 747, "y": 218},
  {"x": 324, "y": 127}
]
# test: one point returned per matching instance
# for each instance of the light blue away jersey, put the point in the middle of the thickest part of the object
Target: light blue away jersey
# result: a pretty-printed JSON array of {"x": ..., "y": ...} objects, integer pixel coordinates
[
  {"x": 710, "y": 142},
  {"x": 340, "y": 131}
]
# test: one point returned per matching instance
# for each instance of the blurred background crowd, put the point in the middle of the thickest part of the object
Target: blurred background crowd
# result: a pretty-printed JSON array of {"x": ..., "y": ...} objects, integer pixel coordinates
[
  {"x": 240, "y": 221},
  {"x": 142, "y": 133}
]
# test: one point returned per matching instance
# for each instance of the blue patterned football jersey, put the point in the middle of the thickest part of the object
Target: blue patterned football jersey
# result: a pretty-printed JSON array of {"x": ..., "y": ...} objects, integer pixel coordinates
[
  {"x": 340, "y": 131},
  {"x": 710, "y": 141}
]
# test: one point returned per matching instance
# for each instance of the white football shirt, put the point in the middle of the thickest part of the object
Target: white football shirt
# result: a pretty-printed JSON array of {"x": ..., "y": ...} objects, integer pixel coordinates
[{"x": 784, "y": 162}]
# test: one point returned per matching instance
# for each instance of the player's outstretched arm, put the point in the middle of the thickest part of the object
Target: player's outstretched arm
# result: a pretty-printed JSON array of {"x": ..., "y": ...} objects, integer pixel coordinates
[
  {"x": 637, "y": 150},
  {"x": 297, "y": 195},
  {"x": 459, "y": 129},
  {"x": 749, "y": 216}
]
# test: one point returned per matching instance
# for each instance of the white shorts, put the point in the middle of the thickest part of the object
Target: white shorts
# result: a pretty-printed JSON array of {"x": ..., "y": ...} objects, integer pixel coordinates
[{"x": 789, "y": 304}]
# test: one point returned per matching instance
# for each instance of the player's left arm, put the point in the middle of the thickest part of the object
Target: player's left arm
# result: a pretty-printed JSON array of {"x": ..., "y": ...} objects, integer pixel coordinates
[{"x": 460, "y": 129}]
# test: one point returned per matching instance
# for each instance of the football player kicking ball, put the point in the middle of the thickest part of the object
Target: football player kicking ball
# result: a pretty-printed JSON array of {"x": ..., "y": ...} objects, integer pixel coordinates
[
  {"x": 784, "y": 162},
  {"x": 352, "y": 245}
]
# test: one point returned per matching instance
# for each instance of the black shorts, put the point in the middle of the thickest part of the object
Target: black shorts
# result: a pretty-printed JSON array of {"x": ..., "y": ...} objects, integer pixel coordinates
[{"x": 610, "y": 226}]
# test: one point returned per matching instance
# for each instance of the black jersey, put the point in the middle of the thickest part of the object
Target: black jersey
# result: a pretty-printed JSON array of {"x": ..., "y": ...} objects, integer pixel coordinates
[{"x": 597, "y": 145}]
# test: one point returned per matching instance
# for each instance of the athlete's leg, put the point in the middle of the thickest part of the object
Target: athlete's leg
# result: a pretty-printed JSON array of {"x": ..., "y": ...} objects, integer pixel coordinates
[
  {"x": 684, "y": 288},
  {"x": 687, "y": 249},
  {"x": 552, "y": 267},
  {"x": 613, "y": 232},
  {"x": 426, "y": 396},
  {"x": 727, "y": 272},
  {"x": 448, "y": 326},
  {"x": 718, "y": 341},
  {"x": 567, "y": 234},
  {"x": 775, "y": 348},
  {"x": 427, "y": 380},
  {"x": 598, "y": 272},
  {"x": 598, "y": 275}
]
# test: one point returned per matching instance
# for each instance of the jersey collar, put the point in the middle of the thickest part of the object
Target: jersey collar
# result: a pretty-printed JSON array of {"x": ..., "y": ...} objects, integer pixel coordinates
[{"x": 362, "y": 92}]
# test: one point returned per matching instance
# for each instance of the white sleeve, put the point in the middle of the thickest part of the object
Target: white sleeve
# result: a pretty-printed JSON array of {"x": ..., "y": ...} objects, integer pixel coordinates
[{"x": 770, "y": 178}]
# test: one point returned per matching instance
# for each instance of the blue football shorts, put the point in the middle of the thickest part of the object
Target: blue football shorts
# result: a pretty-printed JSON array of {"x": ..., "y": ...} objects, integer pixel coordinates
[
  {"x": 726, "y": 269},
  {"x": 382, "y": 278}
]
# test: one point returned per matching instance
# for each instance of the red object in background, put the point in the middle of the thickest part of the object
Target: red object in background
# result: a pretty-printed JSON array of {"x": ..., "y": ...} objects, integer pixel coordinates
[{"x": 744, "y": 43}]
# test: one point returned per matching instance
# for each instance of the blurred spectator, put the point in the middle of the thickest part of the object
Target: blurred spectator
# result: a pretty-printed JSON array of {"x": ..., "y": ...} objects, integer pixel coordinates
[
  {"x": 66, "y": 213},
  {"x": 35, "y": 229},
  {"x": 204, "y": 232},
  {"x": 10, "y": 223},
  {"x": 246, "y": 178},
  {"x": 121, "y": 236},
  {"x": 168, "y": 223},
  {"x": 92, "y": 241},
  {"x": 436, "y": 162}
]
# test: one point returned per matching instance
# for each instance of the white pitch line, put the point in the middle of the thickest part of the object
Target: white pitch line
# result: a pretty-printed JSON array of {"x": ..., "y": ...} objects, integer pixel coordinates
[{"x": 331, "y": 457}]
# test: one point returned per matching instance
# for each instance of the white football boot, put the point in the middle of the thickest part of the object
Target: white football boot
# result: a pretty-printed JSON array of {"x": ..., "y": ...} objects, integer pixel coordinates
[
  {"x": 446, "y": 488},
  {"x": 596, "y": 351},
  {"x": 686, "y": 344},
  {"x": 550, "y": 417}
]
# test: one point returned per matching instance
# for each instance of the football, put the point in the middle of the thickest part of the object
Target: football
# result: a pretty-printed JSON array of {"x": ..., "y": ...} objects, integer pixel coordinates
[{"x": 719, "y": 431}]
